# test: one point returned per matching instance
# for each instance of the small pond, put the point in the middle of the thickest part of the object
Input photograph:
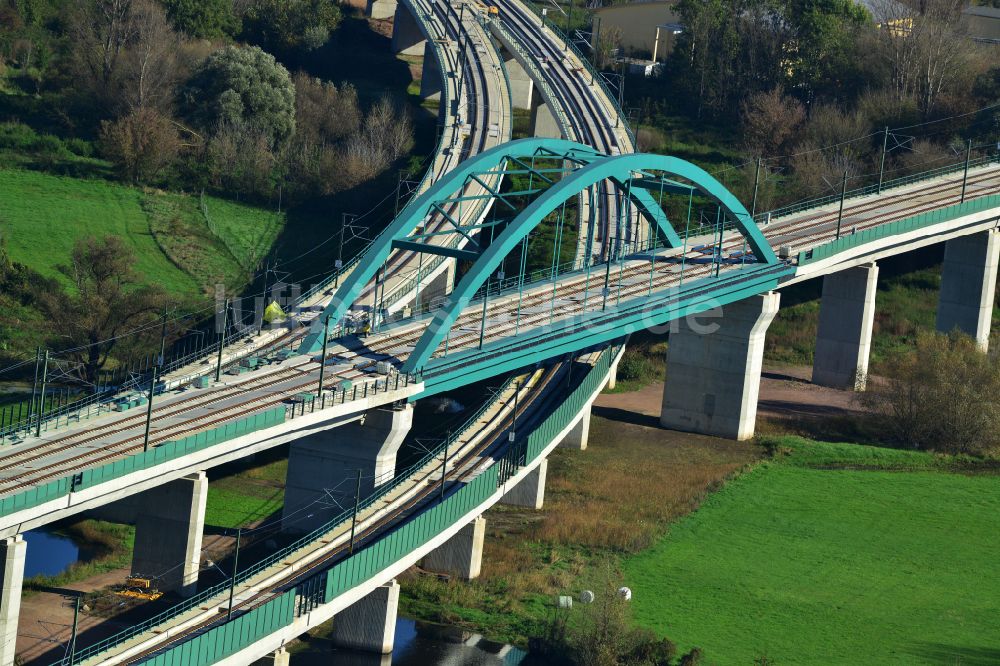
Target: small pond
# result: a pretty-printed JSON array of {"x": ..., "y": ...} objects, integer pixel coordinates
[{"x": 48, "y": 554}]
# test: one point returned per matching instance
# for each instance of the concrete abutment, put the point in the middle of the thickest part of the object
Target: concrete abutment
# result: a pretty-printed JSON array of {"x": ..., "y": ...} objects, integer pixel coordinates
[{"x": 578, "y": 435}]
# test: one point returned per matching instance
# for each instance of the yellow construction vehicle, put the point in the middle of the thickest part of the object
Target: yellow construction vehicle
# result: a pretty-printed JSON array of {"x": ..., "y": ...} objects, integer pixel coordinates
[{"x": 139, "y": 587}]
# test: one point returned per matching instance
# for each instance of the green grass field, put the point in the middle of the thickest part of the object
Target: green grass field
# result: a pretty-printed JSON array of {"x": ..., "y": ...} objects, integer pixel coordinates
[
  {"x": 823, "y": 557},
  {"x": 43, "y": 215}
]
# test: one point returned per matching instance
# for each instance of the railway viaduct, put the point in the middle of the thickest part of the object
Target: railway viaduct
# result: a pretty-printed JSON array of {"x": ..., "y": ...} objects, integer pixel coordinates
[{"x": 343, "y": 401}]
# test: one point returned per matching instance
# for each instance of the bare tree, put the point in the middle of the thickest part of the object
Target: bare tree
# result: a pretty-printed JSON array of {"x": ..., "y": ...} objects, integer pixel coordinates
[
  {"x": 770, "y": 121},
  {"x": 100, "y": 31},
  {"x": 106, "y": 300},
  {"x": 927, "y": 52},
  {"x": 151, "y": 61},
  {"x": 142, "y": 143}
]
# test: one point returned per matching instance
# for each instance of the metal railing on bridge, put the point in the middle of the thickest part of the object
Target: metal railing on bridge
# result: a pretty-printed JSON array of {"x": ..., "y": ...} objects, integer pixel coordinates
[{"x": 250, "y": 626}]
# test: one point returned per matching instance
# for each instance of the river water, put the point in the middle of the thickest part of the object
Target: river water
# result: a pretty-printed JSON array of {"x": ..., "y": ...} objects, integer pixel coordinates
[
  {"x": 416, "y": 644},
  {"x": 422, "y": 644}
]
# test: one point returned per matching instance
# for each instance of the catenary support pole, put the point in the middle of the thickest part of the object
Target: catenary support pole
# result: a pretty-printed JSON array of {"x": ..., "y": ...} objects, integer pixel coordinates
[
  {"x": 843, "y": 195},
  {"x": 222, "y": 340}
]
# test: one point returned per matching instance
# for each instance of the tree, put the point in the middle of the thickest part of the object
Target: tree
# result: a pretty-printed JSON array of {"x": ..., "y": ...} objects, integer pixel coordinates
[
  {"x": 821, "y": 58},
  {"x": 770, "y": 121},
  {"x": 728, "y": 50},
  {"x": 142, "y": 143},
  {"x": 387, "y": 135},
  {"x": 124, "y": 54},
  {"x": 287, "y": 25},
  {"x": 105, "y": 301},
  {"x": 150, "y": 61},
  {"x": 944, "y": 396},
  {"x": 100, "y": 31},
  {"x": 932, "y": 57},
  {"x": 324, "y": 113},
  {"x": 243, "y": 87},
  {"x": 203, "y": 18}
]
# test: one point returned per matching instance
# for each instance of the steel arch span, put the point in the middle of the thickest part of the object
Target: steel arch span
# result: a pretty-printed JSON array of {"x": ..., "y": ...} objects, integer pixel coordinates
[
  {"x": 576, "y": 169},
  {"x": 629, "y": 172}
]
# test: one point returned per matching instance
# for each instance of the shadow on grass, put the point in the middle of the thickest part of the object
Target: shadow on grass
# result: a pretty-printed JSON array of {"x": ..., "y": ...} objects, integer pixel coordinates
[
  {"x": 626, "y": 416},
  {"x": 939, "y": 653}
]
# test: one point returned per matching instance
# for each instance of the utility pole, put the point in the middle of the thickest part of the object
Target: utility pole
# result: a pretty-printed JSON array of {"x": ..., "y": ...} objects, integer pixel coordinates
[
  {"x": 232, "y": 581},
  {"x": 357, "y": 505},
  {"x": 163, "y": 338},
  {"x": 444, "y": 463},
  {"x": 267, "y": 269},
  {"x": 756, "y": 184},
  {"x": 222, "y": 340},
  {"x": 41, "y": 397},
  {"x": 340, "y": 251},
  {"x": 76, "y": 624},
  {"x": 569, "y": 20},
  {"x": 322, "y": 360},
  {"x": 843, "y": 195},
  {"x": 149, "y": 408},
  {"x": 881, "y": 166},
  {"x": 965, "y": 176},
  {"x": 34, "y": 383}
]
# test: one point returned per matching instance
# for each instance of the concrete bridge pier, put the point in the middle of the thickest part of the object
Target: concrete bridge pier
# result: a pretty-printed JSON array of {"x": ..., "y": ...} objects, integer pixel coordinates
[
  {"x": 577, "y": 437},
  {"x": 613, "y": 374},
  {"x": 543, "y": 120},
  {"x": 13, "y": 550},
  {"x": 407, "y": 39},
  {"x": 529, "y": 491},
  {"x": 169, "y": 524},
  {"x": 713, "y": 369},
  {"x": 370, "y": 623},
  {"x": 381, "y": 9},
  {"x": 968, "y": 285},
  {"x": 430, "y": 75},
  {"x": 279, "y": 657},
  {"x": 322, "y": 475},
  {"x": 462, "y": 555},
  {"x": 846, "y": 315},
  {"x": 522, "y": 86}
]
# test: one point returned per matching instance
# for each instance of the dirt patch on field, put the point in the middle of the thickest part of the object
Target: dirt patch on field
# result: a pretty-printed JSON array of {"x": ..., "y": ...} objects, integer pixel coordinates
[{"x": 785, "y": 394}]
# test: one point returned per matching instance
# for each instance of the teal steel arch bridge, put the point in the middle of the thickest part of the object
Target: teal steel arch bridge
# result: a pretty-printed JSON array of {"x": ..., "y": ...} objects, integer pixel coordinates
[{"x": 656, "y": 278}]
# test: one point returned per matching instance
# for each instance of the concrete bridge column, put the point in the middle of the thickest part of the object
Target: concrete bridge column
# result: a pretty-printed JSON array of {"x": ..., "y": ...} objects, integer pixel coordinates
[
  {"x": 406, "y": 36},
  {"x": 846, "y": 315},
  {"x": 543, "y": 120},
  {"x": 279, "y": 657},
  {"x": 381, "y": 9},
  {"x": 323, "y": 468},
  {"x": 461, "y": 555},
  {"x": 522, "y": 86},
  {"x": 529, "y": 491},
  {"x": 442, "y": 285},
  {"x": 713, "y": 370},
  {"x": 613, "y": 374},
  {"x": 578, "y": 436},
  {"x": 169, "y": 524},
  {"x": 968, "y": 285},
  {"x": 13, "y": 550},
  {"x": 370, "y": 623},
  {"x": 430, "y": 75}
]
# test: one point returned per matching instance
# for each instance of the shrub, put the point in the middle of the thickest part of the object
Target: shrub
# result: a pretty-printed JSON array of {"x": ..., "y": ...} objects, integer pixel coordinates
[
  {"x": 943, "y": 396},
  {"x": 634, "y": 366}
]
